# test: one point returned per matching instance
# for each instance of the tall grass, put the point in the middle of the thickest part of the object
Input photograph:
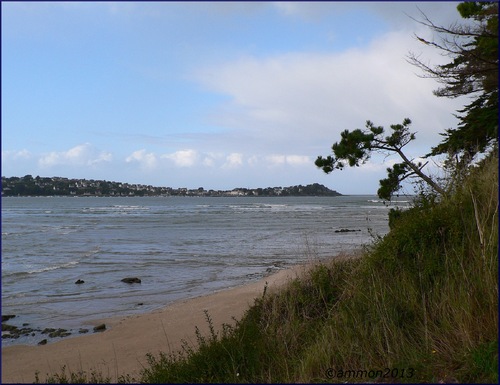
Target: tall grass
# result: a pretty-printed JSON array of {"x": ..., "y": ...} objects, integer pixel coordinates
[
  {"x": 426, "y": 296},
  {"x": 421, "y": 305}
]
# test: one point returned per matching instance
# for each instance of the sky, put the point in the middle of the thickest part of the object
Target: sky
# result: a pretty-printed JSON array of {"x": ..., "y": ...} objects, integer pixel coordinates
[{"x": 214, "y": 95}]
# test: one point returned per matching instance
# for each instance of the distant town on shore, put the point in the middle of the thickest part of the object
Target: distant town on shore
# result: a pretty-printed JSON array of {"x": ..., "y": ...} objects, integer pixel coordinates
[{"x": 59, "y": 186}]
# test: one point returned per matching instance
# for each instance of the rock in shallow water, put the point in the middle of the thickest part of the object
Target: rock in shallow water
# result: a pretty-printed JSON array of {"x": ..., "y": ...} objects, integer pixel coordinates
[
  {"x": 346, "y": 231},
  {"x": 100, "y": 328},
  {"x": 9, "y": 328},
  {"x": 59, "y": 333},
  {"x": 13, "y": 332},
  {"x": 131, "y": 280}
]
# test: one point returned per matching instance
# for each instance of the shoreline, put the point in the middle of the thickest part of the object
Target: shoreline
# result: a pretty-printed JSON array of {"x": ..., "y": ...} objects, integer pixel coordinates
[
  {"x": 122, "y": 348},
  {"x": 83, "y": 325}
]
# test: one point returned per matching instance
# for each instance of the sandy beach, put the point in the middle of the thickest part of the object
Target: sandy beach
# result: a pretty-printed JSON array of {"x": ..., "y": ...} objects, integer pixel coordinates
[{"x": 122, "y": 348}]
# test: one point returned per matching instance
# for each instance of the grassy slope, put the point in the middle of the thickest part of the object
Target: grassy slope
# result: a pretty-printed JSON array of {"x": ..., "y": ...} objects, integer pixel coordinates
[{"x": 423, "y": 299}]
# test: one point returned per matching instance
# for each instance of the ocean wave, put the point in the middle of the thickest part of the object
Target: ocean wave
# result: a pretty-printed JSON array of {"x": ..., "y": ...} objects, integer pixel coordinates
[
  {"x": 65, "y": 230},
  {"x": 130, "y": 207},
  {"x": 92, "y": 252},
  {"x": 393, "y": 202},
  {"x": 115, "y": 209},
  {"x": 50, "y": 268},
  {"x": 264, "y": 207},
  {"x": 40, "y": 270}
]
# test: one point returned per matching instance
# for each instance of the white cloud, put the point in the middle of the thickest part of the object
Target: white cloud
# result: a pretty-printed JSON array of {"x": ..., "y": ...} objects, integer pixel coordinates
[
  {"x": 145, "y": 159},
  {"x": 298, "y": 160},
  {"x": 50, "y": 159},
  {"x": 253, "y": 160},
  {"x": 217, "y": 160},
  {"x": 276, "y": 159},
  {"x": 183, "y": 158},
  {"x": 16, "y": 155},
  {"x": 81, "y": 155},
  {"x": 210, "y": 159},
  {"x": 291, "y": 160},
  {"x": 103, "y": 157},
  {"x": 233, "y": 160},
  {"x": 301, "y": 101}
]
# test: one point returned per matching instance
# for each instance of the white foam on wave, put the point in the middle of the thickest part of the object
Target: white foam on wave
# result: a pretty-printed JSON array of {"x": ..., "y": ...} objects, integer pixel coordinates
[
  {"x": 50, "y": 268},
  {"x": 92, "y": 252},
  {"x": 277, "y": 206},
  {"x": 394, "y": 201},
  {"x": 261, "y": 207},
  {"x": 65, "y": 230},
  {"x": 115, "y": 209},
  {"x": 130, "y": 207}
]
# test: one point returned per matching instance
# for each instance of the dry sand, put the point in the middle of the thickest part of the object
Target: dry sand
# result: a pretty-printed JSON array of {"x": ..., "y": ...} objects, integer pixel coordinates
[{"x": 122, "y": 348}]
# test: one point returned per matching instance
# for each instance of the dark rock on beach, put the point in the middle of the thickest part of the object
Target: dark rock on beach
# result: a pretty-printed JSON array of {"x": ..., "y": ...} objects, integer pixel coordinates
[
  {"x": 11, "y": 336},
  {"x": 56, "y": 332},
  {"x": 83, "y": 331},
  {"x": 79, "y": 282},
  {"x": 59, "y": 333},
  {"x": 9, "y": 328},
  {"x": 100, "y": 328},
  {"x": 7, "y": 317},
  {"x": 13, "y": 332},
  {"x": 131, "y": 280}
]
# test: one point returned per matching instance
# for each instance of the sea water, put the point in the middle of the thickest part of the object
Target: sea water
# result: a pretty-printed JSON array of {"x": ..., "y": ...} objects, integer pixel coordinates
[{"x": 180, "y": 247}]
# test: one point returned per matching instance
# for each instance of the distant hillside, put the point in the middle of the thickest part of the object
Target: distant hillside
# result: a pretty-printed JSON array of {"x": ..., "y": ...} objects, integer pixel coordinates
[{"x": 39, "y": 186}]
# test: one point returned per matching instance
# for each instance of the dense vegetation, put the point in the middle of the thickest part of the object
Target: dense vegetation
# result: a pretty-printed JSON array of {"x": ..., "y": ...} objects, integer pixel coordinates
[{"x": 57, "y": 186}]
